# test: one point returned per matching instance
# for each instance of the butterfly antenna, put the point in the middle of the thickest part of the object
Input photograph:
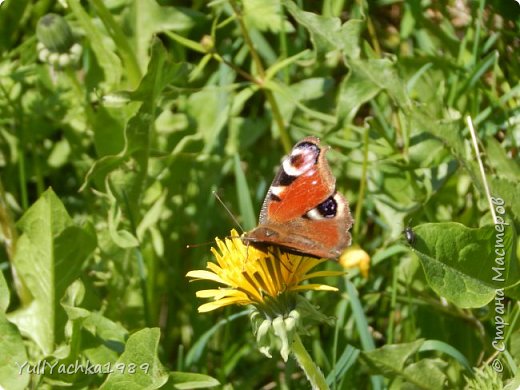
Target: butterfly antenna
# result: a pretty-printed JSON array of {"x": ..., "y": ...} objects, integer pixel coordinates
[
  {"x": 227, "y": 209},
  {"x": 191, "y": 246}
]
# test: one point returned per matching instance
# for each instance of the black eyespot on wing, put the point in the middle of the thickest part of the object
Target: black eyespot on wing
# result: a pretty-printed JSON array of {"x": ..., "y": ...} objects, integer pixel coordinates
[{"x": 328, "y": 208}]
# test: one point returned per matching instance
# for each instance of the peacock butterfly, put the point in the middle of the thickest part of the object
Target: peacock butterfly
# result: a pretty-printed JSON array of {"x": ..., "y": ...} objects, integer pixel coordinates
[{"x": 302, "y": 211}]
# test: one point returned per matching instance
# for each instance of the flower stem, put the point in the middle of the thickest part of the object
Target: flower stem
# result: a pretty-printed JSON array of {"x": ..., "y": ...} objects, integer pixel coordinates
[{"x": 312, "y": 371}]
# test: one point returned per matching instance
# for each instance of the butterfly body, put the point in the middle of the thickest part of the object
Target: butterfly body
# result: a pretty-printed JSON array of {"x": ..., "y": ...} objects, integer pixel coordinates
[{"x": 302, "y": 211}]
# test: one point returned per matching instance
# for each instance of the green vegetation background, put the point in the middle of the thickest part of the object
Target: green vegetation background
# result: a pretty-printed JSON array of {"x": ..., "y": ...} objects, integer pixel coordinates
[{"x": 108, "y": 167}]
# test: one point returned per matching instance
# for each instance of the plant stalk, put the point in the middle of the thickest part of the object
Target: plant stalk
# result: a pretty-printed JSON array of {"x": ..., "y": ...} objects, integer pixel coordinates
[{"x": 311, "y": 370}]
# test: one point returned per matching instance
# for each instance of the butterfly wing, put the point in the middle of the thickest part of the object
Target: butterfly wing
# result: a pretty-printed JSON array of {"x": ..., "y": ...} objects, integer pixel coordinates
[{"x": 302, "y": 210}]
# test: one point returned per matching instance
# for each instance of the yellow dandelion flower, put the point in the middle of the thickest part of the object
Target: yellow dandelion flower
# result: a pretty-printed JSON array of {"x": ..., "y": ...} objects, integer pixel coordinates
[{"x": 249, "y": 275}]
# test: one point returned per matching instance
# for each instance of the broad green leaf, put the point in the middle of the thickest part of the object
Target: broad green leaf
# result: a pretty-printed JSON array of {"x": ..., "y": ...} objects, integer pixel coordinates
[
  {"x": 390, "y": 359},
  {"x": 190, "y": 380},
  {"x": 149, "y": 18},
  {"x": 466, "y": 265},
  {"x": 109, "y": 128},
  {"x": 291, "y": 97},
  {"x": 60, "y": 154},
  {"x": 13, "y": 374},
  {"x": 101, "y": 340},
  {"x": 327, "y": 33},
  {"x": 105, "y": 328},
  {"x": 138, "y": 367},
  {"x": 425, "y": 374},
  {"x": 366, "y": 79},
  {"x": 265, "y": 15},
  {"x": 48, "y": 258},
  {"x": 502, "y": 164},
  {"x": 108, "y": 60},
  {"x": 95, "y": 323},
  {"x": 509, "y": 192},
  {"x": 210, "y": 108},
  {"x": 121, "y": 42},
  {"x": 452, "y": 137}
]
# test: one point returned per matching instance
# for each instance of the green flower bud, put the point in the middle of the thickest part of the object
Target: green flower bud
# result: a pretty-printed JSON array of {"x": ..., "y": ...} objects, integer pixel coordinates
[
  {"x": 207, "y": 43},
  {"x": 54, "y": 32}
]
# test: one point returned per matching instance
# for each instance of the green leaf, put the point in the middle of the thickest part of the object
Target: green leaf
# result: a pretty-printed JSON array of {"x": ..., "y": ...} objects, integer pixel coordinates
[
  {"x": 121, "y": 42},
  {"x": 264, "y": 15},
  {"x": 501, "y": 163},
  {"x": 138, "y": 367},
  {"x": 450, "y": 254},
  {"x": 327, "y": 33},
  {"x": 291, "y": 97},
  {"x": 48, "y": 258},
  {"x": 108, "y": 60},
  {"x": 101, "y": 339},
  {"x": 509, "y": 191},
  {"x": 452, "y": 137},
  {"x": 190, "y": 380},
  {"x": 13, "y": 375},
  {"x": 210, "y": 108},
  {"x": 366, "y": 79},
  {"x": 149, "y": 18},
  {"x": 425, "y": 374},
  {"x": 390, "y": 360}
]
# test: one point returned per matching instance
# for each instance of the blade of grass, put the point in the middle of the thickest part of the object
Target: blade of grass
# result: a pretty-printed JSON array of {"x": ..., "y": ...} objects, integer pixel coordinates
[
  {"x": 441, "y": 346},
  {"x": 245, "y": 203},
  {"x": 367, "y": 342}
]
